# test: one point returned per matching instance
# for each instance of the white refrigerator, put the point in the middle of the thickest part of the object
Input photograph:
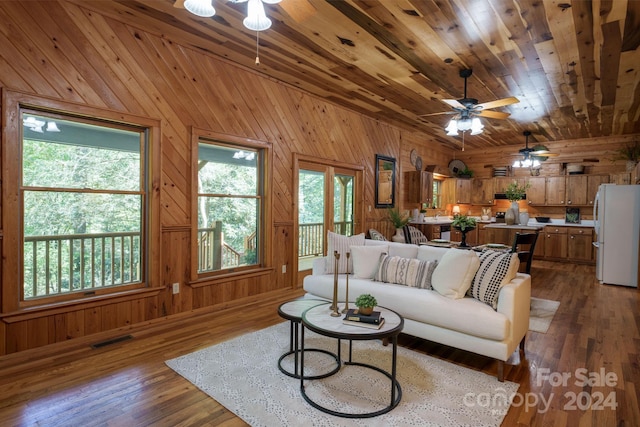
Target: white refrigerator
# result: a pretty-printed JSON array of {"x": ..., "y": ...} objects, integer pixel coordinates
[{"x": 616, "y": 214}]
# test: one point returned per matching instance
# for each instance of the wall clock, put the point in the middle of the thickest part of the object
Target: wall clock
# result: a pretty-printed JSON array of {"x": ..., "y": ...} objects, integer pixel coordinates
[{"x": 413, "y": 156}]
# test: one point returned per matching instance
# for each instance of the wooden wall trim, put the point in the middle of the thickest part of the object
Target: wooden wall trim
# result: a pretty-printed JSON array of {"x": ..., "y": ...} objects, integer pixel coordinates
[
  {"x": 90, "y": 302},
  {"x": 230, "y": 277}
]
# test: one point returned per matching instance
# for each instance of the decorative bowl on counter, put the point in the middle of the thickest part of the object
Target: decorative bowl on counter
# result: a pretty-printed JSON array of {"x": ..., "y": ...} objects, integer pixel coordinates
[{"x": 543, "y": 219}]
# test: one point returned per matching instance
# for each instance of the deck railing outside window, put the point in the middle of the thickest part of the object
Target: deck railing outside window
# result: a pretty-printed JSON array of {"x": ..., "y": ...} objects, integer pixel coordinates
[
  {"x": 62, "y": 264},
  {"x": 311, "y": 237}
]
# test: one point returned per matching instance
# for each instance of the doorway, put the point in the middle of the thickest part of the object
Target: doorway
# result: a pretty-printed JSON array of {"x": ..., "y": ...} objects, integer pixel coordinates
[{"x": 326, "y": 201}]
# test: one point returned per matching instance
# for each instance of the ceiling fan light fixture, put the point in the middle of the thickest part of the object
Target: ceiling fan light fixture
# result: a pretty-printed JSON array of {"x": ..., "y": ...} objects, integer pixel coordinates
[
  {"x": 476, "y": 126},
  {"x": 256, "y": 19},
  {"x": 452, "y": 128},
  {"x": 203, "y": 8}
]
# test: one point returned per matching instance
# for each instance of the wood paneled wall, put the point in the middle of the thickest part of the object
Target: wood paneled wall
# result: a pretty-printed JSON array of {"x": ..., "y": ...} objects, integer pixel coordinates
[{"x": 68, "y": 51}]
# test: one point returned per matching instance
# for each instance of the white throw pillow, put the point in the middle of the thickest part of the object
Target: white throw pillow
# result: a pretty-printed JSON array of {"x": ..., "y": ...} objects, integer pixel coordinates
[
  {"x": 366, "y": 260},
  {"x": 496, "y": 270},
  {"x": 341, "y": 244},
  {"x": 454, "y": 273}
]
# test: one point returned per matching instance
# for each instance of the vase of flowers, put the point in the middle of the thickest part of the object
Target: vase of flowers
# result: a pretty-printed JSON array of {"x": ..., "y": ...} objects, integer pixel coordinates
[{"x": 514, "y": 192}]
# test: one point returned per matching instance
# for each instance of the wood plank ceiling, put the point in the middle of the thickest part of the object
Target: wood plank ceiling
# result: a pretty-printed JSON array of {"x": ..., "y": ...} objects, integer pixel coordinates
[{"x": 573, "y": 65}]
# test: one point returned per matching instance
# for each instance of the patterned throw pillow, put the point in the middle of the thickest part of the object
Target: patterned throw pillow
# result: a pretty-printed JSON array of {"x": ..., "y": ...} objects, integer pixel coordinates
[
  {"x": 413, "y": 235},
  {"x": 341, "y": 244},
  {"x": 376, "y": 235},
  {"x": 496, "y": 270},
  {"x": 405, "y": 271}
]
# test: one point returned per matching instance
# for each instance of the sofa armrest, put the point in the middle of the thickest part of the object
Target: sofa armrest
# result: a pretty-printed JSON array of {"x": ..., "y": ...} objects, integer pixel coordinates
[
  {"x": 514, "y": 301},
  {"x": 318, "y": 266}
]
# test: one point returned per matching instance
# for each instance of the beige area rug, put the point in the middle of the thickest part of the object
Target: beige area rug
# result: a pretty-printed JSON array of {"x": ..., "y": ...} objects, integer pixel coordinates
[
  {"x": 542, "y": 312},
  {"x": 242, "y": 374}
]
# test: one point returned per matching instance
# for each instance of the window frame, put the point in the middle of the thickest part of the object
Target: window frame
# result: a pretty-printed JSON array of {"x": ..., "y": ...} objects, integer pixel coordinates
[
  {"x": 264, "y": 222},
  {"x": 13, "y": 105}
]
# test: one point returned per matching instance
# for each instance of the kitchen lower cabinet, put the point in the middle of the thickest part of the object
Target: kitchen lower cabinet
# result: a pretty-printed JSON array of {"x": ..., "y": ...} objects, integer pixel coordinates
[
  {"x": 579, "y": 244},
  {"x": 555, "y": 242}
]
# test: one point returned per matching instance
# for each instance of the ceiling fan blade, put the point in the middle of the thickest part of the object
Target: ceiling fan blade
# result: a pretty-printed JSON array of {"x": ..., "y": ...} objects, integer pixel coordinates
[
  {"x": 498, "y": 103},
  {"x": 437, "y": 114},
  {"x": 533, "y": 153},
  {"x": 454, "y": 103},
  {"x": 178, "y": 4},
  {"x": 492, "y": 114}
]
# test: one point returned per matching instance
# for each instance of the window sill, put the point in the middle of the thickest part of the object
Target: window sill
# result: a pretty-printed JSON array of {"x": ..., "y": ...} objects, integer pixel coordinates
[{"x": 227, "y": 277}]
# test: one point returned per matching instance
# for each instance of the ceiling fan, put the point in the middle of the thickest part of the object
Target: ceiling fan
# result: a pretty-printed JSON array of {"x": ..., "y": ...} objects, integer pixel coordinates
[
  {"x": 532, "y": 157},
  {"x": 466, "y": 109}
]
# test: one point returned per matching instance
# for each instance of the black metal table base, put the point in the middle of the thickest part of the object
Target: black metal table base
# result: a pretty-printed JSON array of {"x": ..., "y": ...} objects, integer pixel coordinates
[
  {"x": 396, "y": 390},
  {"x": 295, "y": 350}
]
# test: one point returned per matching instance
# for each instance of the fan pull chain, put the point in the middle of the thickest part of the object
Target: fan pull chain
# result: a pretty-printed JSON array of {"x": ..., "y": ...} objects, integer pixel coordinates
[{"x": 257, "y": 47}]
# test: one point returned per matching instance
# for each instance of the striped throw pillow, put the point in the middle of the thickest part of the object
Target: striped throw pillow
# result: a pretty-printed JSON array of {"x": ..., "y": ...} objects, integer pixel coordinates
[
  {"x": 405, "y": 271},
  {"x": 341, "y": 244},
  {"x": 496, "y": 270}
]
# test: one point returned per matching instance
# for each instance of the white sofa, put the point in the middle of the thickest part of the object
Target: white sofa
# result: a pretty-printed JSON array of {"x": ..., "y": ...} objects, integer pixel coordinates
[{"x": 459, "y": 321}]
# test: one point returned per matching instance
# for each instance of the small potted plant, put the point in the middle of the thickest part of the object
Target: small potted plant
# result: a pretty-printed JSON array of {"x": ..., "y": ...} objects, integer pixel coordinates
[
  {"x": 465, "y": 173},
  {"x": 398, "y": 219},
  {"x": 365, "y": 304},
  {"x": 464, "y": 224},
  {"x": 630, "y": 153}
]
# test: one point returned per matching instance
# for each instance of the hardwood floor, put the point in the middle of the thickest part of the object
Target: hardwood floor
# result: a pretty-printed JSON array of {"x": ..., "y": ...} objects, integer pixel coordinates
[{"x": 596, "y": 330}]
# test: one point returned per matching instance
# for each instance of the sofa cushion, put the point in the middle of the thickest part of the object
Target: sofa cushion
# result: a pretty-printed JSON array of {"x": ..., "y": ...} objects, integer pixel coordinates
[
  {"x": 403, "y": 250},
  {"x": 366, "y": 260},
  {"x": 341, "y": 244},
  {"x": 406, "y": 271},
  {"x": 430, "y": 253},
  {"x": 453, "y": 276},
  {"x": 466, "y": 315},
  {"x": 376, "y": 235},
  {"x": 496, "y": 270}
]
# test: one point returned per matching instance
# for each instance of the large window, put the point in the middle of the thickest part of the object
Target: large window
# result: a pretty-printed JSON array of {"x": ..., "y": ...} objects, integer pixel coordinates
[
  {"x": 83, "y": 202},
  {"x": 230, "y": 206}
]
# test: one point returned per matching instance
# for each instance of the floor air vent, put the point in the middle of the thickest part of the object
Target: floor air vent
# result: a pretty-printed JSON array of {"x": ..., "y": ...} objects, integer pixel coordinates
[{"x": 111, "y": 341}]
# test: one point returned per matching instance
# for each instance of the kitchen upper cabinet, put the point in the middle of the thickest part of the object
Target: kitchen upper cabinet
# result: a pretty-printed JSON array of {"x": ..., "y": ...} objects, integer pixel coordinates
[
  {"x": 456, "y": 191},
  {"x": 555, "y": 190},
  {"x": 536, "y": 193},
  {"x": 593, "y": 182},
  {"x": 419, "y": 187},
  {"x": 482, "y": 191},
  {"x": 576, "y": 186},
  {"x": 622, "y": 178}
]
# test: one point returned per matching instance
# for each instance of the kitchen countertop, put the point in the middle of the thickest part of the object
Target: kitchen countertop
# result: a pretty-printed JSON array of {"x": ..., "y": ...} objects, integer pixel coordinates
[
  {"x": 535, "y": 225},
  {"x": 532, "y": 224}
]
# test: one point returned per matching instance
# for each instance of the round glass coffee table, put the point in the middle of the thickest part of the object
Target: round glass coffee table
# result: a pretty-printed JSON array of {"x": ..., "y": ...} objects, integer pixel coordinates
[
  {"x": 319, "y": 320},
  {"x": 292, "y": 311}
]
